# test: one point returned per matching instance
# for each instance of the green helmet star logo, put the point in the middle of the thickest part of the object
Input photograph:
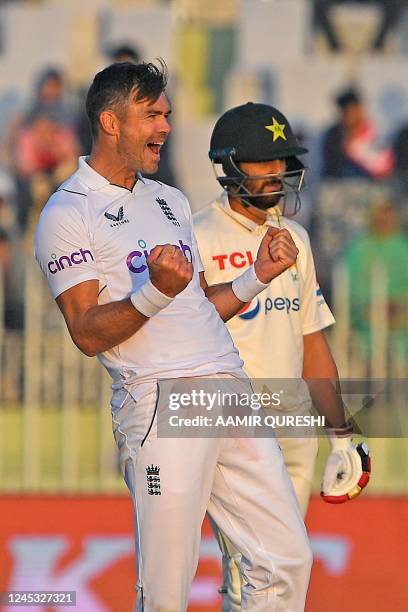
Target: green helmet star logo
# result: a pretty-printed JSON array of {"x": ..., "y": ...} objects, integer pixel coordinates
[{"x": 277, "y": 129}]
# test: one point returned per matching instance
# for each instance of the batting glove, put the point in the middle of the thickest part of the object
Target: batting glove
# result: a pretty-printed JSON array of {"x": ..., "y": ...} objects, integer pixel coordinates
[{"x": 348, "y": 467}]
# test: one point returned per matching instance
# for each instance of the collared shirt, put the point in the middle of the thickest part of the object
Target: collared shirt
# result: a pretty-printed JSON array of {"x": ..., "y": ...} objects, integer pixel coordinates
[
  {"x": 273, "y": 216},
  {"x": 91, "y": 229},
  {"x": 269, "y": 330}
]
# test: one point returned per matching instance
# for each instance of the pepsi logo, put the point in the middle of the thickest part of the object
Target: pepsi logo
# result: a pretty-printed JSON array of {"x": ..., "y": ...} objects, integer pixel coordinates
[{"x": 250, "y": 310}]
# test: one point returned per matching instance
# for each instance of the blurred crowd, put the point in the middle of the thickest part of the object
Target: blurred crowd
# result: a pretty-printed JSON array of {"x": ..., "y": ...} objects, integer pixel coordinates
[
  {"x": 360, "y": 218},
  {"x": 358, "y": 196}
]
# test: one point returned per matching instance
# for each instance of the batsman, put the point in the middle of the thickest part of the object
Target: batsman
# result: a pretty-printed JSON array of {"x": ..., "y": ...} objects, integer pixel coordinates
[{"x": 280, "y": 332}]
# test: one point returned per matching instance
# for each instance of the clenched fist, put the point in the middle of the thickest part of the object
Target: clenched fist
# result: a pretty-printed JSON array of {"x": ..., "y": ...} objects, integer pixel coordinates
[
  {"x": 169, "y": 269},
  {"x": 277, "y": 252}
]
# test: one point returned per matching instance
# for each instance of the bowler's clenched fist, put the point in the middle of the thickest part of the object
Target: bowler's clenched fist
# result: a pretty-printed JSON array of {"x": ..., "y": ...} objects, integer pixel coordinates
[
  {"x": 169, "y": 269},
  {"x": 277, "y": 252}
]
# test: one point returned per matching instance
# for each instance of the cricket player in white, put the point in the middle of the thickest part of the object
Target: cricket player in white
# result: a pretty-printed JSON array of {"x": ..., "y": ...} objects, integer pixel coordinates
[
  {"x": 121, "y": 260},
  {"x": 279, "y": 333}
]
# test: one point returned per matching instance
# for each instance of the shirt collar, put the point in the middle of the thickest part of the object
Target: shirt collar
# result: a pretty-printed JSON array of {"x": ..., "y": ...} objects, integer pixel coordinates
[
  {"x": 89, "y": 176},
  {"x": 273, "y": 216},
  {"x": 92, "y": 179}
]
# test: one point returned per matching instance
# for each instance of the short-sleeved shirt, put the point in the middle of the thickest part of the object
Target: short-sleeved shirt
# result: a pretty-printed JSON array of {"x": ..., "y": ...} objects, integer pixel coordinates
[
  {"x": 93, "y": 230},
  {"x": 268, "y": 331}
]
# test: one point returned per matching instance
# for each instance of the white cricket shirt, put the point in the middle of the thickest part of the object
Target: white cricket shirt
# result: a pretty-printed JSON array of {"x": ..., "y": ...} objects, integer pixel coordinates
[
  {"x": 91, "y": 229},
  {"x": 268, "y": 331}
]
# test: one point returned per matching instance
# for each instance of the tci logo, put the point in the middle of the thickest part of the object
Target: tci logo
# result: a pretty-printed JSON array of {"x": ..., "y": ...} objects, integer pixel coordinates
[
  {"x": 236, "y": 259},
  {"x": 136, "y": 266},
  {"x": 76, "y": 258}
]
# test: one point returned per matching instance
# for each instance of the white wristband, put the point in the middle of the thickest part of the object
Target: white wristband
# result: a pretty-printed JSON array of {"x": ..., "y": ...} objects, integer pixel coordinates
[
  {"x": 248, "y": 285},
  {"x": 148, "y": 300}
]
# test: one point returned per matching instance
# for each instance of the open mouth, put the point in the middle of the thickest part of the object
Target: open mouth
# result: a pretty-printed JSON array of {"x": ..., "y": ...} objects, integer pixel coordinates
[{"x": 155, "y": 147}]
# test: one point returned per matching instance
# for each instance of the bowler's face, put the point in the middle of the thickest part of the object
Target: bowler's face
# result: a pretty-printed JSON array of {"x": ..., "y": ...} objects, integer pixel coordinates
[{"x": 144, "y": 128}]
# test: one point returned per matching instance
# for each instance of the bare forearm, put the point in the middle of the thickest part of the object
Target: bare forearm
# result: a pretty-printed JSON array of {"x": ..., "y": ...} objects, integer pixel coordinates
[
  {"x": 96, "y": 328},
  {"x": 276, "y": 253},
  {"x": 326, "y": 398},
  {"x": 102, "y": 327},
  {"x": 321, "y": 376},
  {"x": 224, "y": 300}
]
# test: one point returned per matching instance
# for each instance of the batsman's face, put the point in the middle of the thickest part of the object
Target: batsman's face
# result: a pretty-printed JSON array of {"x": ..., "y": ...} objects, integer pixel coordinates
[
  {"x": 144, "y": 128},
  {"x": 269, "y": 186}
]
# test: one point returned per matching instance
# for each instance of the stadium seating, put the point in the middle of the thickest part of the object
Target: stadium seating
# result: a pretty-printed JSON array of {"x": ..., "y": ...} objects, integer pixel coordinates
[
  {"x": 24, "y": 54},
  {"x": 306, "y": 89},
  {"x": 190, "y": 146},
  {"x": 148, "y": 28},
  {"x": 269, "y": 31}
]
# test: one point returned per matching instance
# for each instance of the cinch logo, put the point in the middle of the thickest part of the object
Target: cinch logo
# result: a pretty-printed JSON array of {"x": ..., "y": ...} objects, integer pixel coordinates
[
  {"x": 76, "y": 258},
  {"x": 281, "y": 303},
  {"x": 136, "y": 266},
  {"x": 250, "y": 310},
  {"x": 235, "y": 259}
]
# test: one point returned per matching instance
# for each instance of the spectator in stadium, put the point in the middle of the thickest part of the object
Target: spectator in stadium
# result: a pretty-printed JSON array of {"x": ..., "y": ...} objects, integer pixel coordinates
[
  {"x": 43, "y": 146},
  {"x": 382, "y": 246},
  {"x": 400, "y": 148},
  {"x": 52, "y": 97},
  {"x": 391, "y": 11},
  {"x": 399, "y": 180},
  {"x": 41, "y": 141},
  {"x": 46, "y": 153},
  {"x": 125, "y": 52},
  {"x": 350, "y": 148}
]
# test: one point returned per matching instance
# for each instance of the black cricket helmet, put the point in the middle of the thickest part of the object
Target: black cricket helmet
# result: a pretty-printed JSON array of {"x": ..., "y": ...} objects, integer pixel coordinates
[{"x": 257, "y": 133}]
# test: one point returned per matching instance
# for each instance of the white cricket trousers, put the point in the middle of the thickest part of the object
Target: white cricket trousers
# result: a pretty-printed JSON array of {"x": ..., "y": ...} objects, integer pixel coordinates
[
  {"x": 299, "y": 455},
  {"x": 244, "y": 485}
]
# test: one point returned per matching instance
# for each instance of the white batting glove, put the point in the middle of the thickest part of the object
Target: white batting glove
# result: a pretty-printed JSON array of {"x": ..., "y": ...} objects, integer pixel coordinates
[{"x": 347, "y": 469}]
